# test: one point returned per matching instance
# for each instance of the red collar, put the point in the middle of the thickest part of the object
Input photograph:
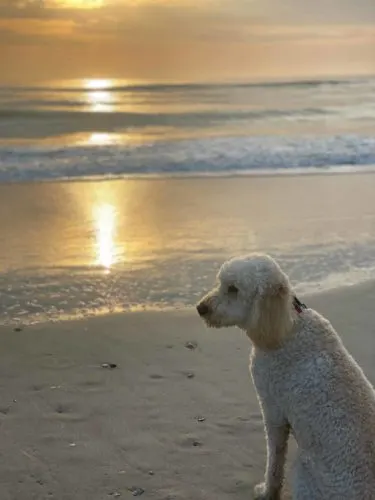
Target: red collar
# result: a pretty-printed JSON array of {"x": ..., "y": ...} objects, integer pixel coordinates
[{"x": 298, "y": 305}]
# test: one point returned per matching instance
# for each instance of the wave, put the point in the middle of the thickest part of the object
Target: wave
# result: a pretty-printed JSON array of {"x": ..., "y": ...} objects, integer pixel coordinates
[
  {"x": 161, "y": 118},
  {"x": 209, "y": 156},
  {"x": 42, "y": 103},
  {"x": 170, "y": 87}
]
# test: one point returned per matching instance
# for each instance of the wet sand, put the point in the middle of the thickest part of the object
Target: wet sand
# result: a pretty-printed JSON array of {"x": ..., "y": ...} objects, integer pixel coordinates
[{"x": 69, "y": 249}]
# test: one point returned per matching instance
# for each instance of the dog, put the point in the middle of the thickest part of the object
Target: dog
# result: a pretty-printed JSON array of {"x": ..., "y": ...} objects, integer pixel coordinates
[{"x": 307, "y": 384}]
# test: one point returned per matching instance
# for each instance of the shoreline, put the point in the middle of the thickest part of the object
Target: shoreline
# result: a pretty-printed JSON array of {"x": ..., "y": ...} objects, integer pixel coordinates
[
  {"x": 115, "y": 245},
  {"x": 329, "y": 171},
  {"x": 189, "y": 310}
]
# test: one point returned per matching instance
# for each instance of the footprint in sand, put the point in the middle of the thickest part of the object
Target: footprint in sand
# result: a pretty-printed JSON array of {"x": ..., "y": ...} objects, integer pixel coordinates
[
  {"x": 61, "y": 408},
  {"x": 63, "y": 411},
  {"x": 189, "y": 441}
]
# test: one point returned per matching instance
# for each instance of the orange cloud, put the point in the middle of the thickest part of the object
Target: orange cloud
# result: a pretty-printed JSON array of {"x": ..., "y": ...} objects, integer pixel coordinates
[
  {"x": 184, "y": 39},
  {"x": 39, "y": 27}
]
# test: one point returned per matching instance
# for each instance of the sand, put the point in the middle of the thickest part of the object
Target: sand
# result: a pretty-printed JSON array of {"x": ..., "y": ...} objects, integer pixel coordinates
[{"x": 176, "y": 422}]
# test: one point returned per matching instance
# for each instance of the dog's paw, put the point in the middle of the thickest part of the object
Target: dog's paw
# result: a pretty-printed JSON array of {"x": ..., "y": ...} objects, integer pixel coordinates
[{"x": 261, "y": 492}]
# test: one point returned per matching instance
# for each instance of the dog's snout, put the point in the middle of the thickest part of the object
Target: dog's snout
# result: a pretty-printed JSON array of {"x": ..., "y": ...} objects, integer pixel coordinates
[{"x": 203, "y": 309}]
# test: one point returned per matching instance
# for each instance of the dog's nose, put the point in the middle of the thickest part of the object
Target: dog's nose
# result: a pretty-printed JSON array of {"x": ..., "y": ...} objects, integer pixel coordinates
[{"x": 202, "y": 309}]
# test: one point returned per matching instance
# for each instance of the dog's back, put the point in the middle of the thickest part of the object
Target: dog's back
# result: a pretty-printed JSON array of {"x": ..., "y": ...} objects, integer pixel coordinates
[{"x": 314, "y": 383}]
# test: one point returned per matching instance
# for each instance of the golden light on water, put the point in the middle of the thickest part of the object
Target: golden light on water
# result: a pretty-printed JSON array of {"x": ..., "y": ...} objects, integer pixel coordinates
[
  {"x": 103, "y": 139},
  {"x": 100, "y": 101},
  {"x": 105, "y": 217},
  {"x": 98, "y": 95}
]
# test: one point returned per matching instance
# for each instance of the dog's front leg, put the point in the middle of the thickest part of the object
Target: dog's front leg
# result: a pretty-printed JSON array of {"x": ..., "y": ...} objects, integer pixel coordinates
[{"x": 277, "y": 443}]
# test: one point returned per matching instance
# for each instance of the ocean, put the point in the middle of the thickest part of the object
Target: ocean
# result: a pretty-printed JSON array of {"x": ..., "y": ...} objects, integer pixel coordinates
[
  {"x": 175, "y": 180},
  {"x": 108, "y": 128}
]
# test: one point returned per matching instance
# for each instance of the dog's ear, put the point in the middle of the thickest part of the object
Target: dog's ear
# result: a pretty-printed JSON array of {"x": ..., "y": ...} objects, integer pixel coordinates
[
  {"x": 271, "y": 316},
  {"x": 277, "y": 290}
]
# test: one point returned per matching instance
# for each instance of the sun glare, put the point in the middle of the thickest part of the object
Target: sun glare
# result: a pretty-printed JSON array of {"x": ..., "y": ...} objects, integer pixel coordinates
[
  {"x": 80, "y": 4},
  {"x": 105, "y": 227},
  {"x": 97, "y": 83},
  {"x": 102, "y": 139},
  {"x": 98, "y": 94}
]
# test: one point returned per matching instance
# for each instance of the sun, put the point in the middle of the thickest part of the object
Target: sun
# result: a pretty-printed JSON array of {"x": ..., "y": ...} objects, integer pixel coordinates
[
  {"x": 97, "y": 83},
  {"x": 81, "y": 4}
]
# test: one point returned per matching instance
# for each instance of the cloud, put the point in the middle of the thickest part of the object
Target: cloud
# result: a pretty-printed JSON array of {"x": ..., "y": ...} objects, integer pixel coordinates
[
  {"x": 233, "y": 21},
  {"x": 320, "y": 11},
  {"x": 148, "y": 20},
  {"x": 172, "y": 37},
  {"x": 170, "y": 21},
  {"x": 22, "y": 8},
  {"x": 275, "y": 11}
]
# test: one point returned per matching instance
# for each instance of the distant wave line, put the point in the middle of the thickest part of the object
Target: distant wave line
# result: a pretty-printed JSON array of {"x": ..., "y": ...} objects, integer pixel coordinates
[{"x": 170, "y": 87}]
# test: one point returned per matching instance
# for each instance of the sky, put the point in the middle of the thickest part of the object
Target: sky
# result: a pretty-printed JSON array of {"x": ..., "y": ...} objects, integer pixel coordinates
[{"x": 185, "y": 40}]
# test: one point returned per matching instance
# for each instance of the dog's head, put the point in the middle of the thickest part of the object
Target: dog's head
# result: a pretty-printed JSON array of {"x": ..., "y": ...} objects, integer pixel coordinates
[{"x": 254, "y": 294}]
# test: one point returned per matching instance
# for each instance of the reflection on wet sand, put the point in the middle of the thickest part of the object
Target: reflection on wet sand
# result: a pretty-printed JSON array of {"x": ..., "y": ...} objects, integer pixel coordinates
[
  {"x": 88, "y": 247},
  {"x": 106, "y": 218}
]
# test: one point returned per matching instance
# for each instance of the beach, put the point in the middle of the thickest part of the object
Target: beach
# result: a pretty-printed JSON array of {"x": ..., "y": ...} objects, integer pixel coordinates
[
  {"x": 93, "y": 276},
  {"x": 173, "y": 421},
  {"x": 118, "y": 205}
]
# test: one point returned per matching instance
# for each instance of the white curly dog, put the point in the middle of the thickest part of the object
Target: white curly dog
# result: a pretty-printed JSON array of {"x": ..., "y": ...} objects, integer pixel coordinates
[{"x": 307, "y": 384}]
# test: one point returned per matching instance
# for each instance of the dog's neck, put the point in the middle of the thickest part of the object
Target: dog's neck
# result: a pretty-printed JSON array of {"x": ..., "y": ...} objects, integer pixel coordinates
[{"x": 274, "y": 325}]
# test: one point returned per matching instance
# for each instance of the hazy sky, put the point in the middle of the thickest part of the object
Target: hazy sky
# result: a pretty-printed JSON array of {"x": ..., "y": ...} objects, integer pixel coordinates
[{"x": 185, "y": 39}]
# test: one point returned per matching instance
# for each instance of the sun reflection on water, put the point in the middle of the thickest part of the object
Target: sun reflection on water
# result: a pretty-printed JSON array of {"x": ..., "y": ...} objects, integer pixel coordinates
[
  {"x": 98, "y": 95},
  {"x": 103, "y": 139},
  {"x": 105, "y": 217}
]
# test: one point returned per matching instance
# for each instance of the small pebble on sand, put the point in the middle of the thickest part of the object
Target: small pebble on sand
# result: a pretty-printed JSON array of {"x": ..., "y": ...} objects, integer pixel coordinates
[
  {"x": 136, "y": 492},
  {"x": 191, "y": 345},
  {"x": 109, "y": 365}
]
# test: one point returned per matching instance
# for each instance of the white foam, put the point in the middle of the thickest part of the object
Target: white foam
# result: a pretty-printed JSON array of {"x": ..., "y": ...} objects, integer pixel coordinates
[{"x": 207, "y": 156}]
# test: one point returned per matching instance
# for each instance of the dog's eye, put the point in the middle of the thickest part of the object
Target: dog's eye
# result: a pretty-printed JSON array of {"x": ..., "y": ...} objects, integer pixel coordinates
[{"x": 232, "y": 290}]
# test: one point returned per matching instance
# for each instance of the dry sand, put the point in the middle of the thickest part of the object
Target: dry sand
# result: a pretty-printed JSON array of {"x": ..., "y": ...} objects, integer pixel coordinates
[{"x": 71, "y": 429}]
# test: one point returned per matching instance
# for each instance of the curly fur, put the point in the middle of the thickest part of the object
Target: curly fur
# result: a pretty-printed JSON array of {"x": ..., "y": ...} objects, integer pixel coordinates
[{"x": 306, "y": 381}]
